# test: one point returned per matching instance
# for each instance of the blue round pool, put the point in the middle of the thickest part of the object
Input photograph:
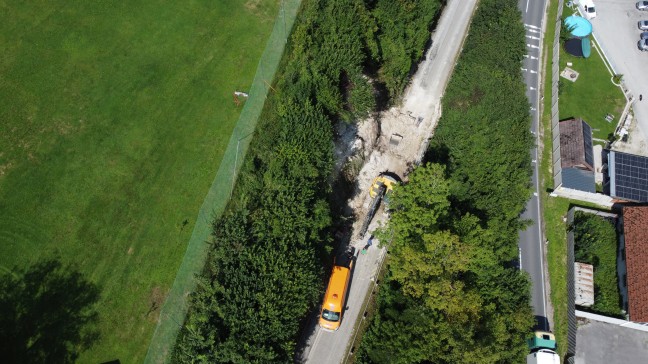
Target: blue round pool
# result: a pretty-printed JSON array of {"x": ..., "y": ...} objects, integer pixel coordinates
[{"x": 582, "y": 27}]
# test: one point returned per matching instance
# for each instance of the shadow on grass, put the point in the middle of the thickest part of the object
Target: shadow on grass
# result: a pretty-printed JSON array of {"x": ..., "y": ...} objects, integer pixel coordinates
[{"x": 47, "y": 314}]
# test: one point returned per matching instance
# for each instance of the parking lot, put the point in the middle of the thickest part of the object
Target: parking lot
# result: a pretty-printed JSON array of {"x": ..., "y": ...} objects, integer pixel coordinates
[{"x": 616, "y": 32}]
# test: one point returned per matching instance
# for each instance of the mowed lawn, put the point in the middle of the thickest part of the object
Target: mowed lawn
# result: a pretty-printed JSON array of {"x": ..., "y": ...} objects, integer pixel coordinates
[
  {"x": 113, "y": 119},
  {"x": 592, "y": 96}
]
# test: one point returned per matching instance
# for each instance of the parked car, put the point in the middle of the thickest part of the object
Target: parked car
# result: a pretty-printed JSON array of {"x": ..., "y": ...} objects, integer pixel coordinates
[
  {"x": 587, "y": 7},
  {"x": 643, "y": 24},
  {"x": 643, "y": 45},
  {"x": 643, "y": 35},
  {"x": 642, "y": 5}
]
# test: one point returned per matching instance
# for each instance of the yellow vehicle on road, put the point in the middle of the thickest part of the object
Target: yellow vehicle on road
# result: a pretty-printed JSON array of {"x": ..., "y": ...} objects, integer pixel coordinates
[{"x": 335, "y": 296}]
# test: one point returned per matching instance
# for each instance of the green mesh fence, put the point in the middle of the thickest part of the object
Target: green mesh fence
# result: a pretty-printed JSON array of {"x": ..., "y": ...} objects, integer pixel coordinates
[{"x": 175, "y": 307}]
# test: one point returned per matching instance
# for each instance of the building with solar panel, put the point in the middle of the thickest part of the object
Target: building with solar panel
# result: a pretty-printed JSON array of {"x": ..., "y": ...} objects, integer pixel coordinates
[
  {"x": 575, "y": 167},
  {"x": 627, "y": 176}
]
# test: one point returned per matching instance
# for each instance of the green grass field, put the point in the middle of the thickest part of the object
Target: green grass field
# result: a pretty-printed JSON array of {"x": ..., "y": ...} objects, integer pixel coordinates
[{"x": 113, "y": 120}]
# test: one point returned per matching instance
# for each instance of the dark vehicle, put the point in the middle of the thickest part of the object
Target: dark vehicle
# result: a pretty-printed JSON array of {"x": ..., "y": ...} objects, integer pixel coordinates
[
  {"x": 643, "y": 24},
  {"x": 643, "y": 45}
]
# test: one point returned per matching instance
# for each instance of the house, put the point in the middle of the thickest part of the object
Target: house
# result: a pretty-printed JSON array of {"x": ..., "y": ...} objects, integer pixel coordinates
[
  {"x": 634, "y": 251},
  {"x": 575, "y": 168}
]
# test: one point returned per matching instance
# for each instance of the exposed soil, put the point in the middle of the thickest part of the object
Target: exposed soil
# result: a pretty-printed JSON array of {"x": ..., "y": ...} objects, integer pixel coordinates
[
  {"x": 393, "y": 141},
  {"x": 156, "y": 299}
]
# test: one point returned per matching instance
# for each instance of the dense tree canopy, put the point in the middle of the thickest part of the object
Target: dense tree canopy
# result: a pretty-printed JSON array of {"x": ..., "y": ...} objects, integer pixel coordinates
[
  {"x": 441, "y": 301},
  {"x": 265, "y": 273},
  {"x": 399, "y": 46},
  {"x": 484, "y": 131}
]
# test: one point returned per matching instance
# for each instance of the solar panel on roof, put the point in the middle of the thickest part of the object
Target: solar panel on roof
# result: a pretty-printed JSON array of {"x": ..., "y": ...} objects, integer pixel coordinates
[
  {"x": 630, "y": 176},
  {"x": 587, "y": 139}
]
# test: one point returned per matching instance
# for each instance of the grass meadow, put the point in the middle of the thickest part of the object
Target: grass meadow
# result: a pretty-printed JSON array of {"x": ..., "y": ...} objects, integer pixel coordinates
[
  {"x": 592, "y": 96},
  {"x": 113, "y": 119}
]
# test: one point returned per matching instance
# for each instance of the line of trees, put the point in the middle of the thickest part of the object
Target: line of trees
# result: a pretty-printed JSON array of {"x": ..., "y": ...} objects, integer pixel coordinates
[
  {"x": 264, "y": 273},
  {"x": 450, "y": 294}
]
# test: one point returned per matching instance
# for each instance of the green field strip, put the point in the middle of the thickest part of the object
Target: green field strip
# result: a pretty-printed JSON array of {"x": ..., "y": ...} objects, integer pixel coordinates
[{"x": 176, "y": 305}]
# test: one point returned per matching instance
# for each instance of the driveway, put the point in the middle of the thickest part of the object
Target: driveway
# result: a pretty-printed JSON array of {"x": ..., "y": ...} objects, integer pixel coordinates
[{"x": 616, "y": 32}]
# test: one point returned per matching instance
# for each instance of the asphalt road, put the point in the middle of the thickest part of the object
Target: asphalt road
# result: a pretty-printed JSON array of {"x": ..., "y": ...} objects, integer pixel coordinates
[
  {"x": 616, "y": 31},
  {"x": 323, "y": 346},
  {"x": 424, "y": 95},
  {"x": 531, "y": 241}
]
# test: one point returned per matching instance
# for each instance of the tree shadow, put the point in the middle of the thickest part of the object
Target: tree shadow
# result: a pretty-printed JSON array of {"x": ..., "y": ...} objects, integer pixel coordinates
[{"x": 47, "y": 314}]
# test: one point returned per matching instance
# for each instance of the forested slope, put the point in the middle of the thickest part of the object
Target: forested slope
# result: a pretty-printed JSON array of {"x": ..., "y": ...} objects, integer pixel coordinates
[
  {"x": 265, "y": 270},
  {"x": 449, "y": 294}
]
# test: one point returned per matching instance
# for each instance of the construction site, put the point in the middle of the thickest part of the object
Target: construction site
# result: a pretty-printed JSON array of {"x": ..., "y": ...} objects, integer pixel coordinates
[{"x": 372, "y": 157}]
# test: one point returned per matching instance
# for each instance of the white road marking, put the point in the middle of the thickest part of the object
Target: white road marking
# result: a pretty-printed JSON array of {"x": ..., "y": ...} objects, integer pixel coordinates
[
  {"x": 535, "y": 194},
  {"x": 532, "y": 37},
  {"x": 532, "y": 71},
  {"x": 532, "y": 89},
  {"x": 532, "y": 46},
  {"x": 537, "y": 189},
  {"x": 523, "y": 69},
  {"x": 527, "y": 7},
  {"x": 531, "y": 26}
]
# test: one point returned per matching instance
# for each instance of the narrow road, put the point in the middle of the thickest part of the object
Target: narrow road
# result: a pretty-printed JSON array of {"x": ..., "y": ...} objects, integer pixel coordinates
[
  {"x": 421, "y": 102},
  {"x": 531, "y": 239}
]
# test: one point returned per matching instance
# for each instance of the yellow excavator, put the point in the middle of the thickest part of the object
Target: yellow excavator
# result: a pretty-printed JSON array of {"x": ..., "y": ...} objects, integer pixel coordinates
[
  {"x": 380, "y": 189},
  {"x": 382, "y": 185}
]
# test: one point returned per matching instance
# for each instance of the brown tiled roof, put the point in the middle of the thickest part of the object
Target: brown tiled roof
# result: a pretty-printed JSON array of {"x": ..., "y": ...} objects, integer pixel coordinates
[
  {"x": 572, "y": 145},
  {"x": 635, "y": 226}
]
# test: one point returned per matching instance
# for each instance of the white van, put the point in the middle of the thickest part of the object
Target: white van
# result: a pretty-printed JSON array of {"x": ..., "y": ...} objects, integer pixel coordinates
[{"x": 587, "y": 8}]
